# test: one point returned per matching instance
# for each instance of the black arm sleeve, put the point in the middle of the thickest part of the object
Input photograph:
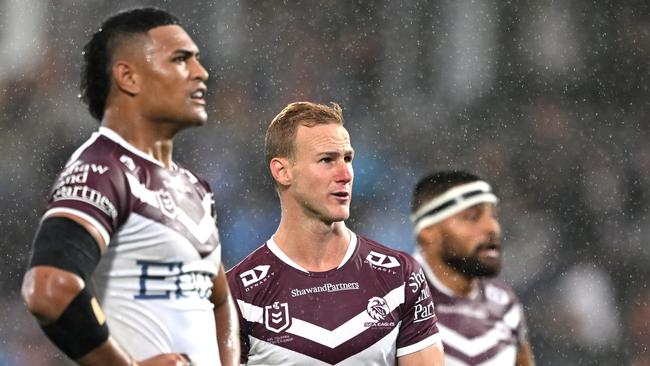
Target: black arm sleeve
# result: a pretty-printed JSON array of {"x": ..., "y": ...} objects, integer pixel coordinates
[{"x": 63, "y": 243}]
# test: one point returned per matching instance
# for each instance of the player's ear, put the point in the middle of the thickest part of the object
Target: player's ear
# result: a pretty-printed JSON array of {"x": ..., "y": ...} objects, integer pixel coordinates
[
  {"x": 429, "y": 237},
  {"x": 125, "y": 77},
  {"x": 280, "y": 171}
]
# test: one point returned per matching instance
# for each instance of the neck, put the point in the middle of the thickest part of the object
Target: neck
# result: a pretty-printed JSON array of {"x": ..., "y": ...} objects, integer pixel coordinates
[
  {"x": 154, "y": 139},
  {"x": 460, "y": 284},
  {"x": 312, "y": 244}
]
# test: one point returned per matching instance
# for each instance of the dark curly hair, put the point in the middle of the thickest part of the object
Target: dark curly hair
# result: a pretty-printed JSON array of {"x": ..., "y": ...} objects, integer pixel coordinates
[{"x": 98, "y": 52}]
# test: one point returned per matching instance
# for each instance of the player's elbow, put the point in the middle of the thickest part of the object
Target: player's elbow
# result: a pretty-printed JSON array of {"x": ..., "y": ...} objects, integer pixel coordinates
[
  {"x": 47, "y": 291},
  {"x": 31, "y": 291}
]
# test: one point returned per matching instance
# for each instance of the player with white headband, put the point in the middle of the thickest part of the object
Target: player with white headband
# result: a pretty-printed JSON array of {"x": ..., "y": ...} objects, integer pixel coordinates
[
  {"x": 458, "y": 245},
  {"x": 451, "y": 202}
]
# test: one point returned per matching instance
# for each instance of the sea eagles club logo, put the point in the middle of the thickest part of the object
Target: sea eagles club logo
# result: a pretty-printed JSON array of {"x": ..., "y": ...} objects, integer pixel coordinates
[
  {"x": 377, "y": 308},
  {"x": 276, "y": 317}
]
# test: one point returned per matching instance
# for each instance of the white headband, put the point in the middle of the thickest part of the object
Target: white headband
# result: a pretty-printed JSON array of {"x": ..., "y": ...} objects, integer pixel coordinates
[{"x": 452, "y": 202}]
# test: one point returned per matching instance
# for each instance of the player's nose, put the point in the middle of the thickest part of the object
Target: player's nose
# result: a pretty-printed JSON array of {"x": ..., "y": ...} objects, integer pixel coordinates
[
  {"x": 344, "y": 172},
  {"x": 492, "y": 226},
  {"x": 198, "y": 71}
]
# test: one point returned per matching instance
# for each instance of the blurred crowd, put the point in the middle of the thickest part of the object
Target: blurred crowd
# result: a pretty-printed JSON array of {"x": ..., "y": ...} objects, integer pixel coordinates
[{"x": 547, "y": 100}]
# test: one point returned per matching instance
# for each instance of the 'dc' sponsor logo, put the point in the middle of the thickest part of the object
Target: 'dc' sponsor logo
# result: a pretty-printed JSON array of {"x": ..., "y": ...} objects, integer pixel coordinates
[
  {"x": 254, "y": 275},
  {"x": 382, "y": 260}
]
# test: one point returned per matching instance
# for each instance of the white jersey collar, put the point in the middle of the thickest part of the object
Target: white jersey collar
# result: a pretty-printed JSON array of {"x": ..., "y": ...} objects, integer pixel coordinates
[
  {"x": 112, "y": 135},
  {"x": 275, "y": 249}
]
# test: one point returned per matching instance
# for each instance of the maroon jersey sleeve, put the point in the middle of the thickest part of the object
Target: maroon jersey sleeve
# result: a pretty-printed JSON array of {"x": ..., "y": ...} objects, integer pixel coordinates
[
  {"x": 93, "y": 188},
  {"x": 418, "y": 328},
  {"x": 236, "y": 290}
]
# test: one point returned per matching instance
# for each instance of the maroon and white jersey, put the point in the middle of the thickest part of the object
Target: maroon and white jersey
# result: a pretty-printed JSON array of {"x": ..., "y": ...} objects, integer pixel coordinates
[
  {"x": 486, "y": 329},
  {"x": 373, "y": 308},
  {"x": 155, "y": 278}
]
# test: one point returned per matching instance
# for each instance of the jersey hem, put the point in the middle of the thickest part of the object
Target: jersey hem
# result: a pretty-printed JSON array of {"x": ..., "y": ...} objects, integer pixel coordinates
[
  {"x": 102, "y": 231},
  {"x": 419, "y": 346}
]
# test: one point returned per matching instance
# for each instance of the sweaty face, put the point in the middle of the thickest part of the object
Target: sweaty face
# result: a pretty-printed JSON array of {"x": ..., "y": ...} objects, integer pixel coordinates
[
  {"x": 322, "y": 172},
  {"x": 470, "y": 243},
  {"x": 171, "y": 78}
]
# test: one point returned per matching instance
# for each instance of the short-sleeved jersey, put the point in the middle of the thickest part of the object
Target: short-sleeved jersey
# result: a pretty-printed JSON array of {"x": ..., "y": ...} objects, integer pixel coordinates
[
  {"x": 155, "y": 278},
  {"x": 373, "y": 308},
  {"x": 486, "y": 328}
]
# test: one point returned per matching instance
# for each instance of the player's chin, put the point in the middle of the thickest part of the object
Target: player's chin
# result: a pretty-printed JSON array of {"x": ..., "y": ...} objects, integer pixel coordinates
[
  {"x": 201, "y": 118},
  {"x": 340, "y": 214},
  {"x": 490, "y": 267},
  {"x": 198, "y": 116},
  {"x": 195, "y": 122}
]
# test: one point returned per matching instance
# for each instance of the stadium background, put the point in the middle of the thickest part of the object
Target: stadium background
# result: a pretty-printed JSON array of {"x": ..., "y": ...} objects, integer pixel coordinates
[{"x": 547, "y": 99}]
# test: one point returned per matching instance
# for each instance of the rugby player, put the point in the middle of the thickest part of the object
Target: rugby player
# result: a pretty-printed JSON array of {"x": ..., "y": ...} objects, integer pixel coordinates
[
  {"x": 316, "y": 293},
  {"x": 126, "y": 266},
  {"x": 458, "y": 239}
]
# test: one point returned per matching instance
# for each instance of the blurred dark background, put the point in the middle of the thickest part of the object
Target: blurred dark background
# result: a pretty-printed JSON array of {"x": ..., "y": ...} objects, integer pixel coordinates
[{"x": 547, "y": 100}]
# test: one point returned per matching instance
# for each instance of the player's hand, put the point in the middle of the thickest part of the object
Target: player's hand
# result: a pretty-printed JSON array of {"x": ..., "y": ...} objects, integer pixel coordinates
[{"x": 167, "y": 359}]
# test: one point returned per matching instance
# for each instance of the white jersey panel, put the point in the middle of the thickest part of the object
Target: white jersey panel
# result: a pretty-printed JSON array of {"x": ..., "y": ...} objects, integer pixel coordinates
[
  {"x": 505, "y": 357},
  {"x": 156, "y": 290},
  {"x": 382, "y": 353}
]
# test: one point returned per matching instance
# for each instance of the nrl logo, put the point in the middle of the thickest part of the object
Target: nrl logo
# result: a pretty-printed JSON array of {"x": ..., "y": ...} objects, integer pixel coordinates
[
  {"x": 167, "y": 204},
  {"x": 377, "y": 308},
  {"x": 276, "y": 317}
]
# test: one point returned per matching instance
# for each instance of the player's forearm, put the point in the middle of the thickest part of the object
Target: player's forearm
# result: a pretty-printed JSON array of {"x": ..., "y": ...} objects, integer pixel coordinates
[
  {"x": 48, "y": 292},
  {"x": 109, "y": 353},
  {"x": 525, "y": 355},
  {"x": 226, "y": 319},
  {"x": 227, "y": 331}
]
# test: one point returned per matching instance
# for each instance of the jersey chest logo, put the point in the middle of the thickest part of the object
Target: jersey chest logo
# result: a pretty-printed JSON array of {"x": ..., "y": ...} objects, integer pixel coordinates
[
  {"x": 254, "y": 275},
  {"x": 167, "y": 204},
  {"x": 382, "y": 260},
  {"x": 276, "y": 317},
  {"x": 377, "y": 308},
  {"x": 164, "y": 201}
]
